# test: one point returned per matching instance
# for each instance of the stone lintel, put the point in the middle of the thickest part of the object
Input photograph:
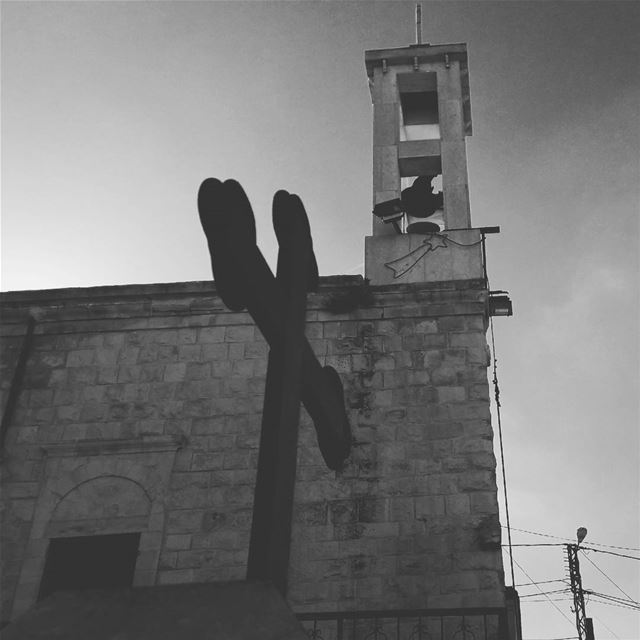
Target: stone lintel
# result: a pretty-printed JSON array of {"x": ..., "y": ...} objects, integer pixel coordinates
[
  {"x": 419, "y": 157},
  {"x": 144, "y": 444}
]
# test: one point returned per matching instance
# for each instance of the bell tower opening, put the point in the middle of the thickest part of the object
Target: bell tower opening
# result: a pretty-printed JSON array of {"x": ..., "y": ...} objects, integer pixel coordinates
[{"x": 419, "y": 106}]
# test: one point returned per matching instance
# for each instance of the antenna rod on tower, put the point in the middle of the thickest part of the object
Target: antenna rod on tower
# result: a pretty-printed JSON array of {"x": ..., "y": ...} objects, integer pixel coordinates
[{"x": 418, "y": 23}]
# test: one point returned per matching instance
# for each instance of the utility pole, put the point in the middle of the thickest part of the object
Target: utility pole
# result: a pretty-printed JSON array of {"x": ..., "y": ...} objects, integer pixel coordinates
[{"x": 584, "y": 625}]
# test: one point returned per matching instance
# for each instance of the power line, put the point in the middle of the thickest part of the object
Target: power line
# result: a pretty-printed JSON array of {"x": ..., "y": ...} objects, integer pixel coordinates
[
  {"x": 568, "y": 599},
  {"x": 560, "y": 544},
  {"x": 612, "y": 546},
  {"x": 611, "y": 604},
  {"x": 549, "y": 599},
  {"x": 546, "y": 535},
  {"x": 616, "y": 599},
  {"x": 611, "y": 553},
  {"x": 544, "y": 593},
  {"x": 615, "y": 604},
  {"x": 536, "y": 533},
  {"x": 526, "y": 584},
  {"x": 498, "y": 405},
  {"x": 608, "y": 628},
  {"x": 568, "y": 638},
  {"x": 537, "y": 544},
  {"x": 622, "y": 603},
  {"x": 518, "y": 621},
  {"x": 608, "y": 578}
]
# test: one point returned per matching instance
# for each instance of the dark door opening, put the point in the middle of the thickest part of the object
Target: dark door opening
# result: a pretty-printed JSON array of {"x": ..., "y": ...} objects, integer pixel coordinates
[{"x": 90, "y": 562}]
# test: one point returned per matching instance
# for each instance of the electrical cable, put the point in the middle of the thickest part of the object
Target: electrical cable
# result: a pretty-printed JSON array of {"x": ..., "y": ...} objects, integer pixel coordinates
[
  {"x": 567, "y": 638},
  {"x": 624, "y": 603},
  {"x": 616, "y": 599},
  {"x": 497, "y": 398},
  {"x": 618, "y": 606},
  {"x": 608, "y": 578},
  {"x": 536, "y": 533},
  {"x": 608, "y": 628},
  {"x": 544, "y": 593},
  {"x": 612, "y": 546},
  {"x": 504, "y": 473},
  {"x": 537, "y": 544},
  {"x": 635, "y": 603},
  {"x": 611, "y": 553},
  {"x": 563, "y": 544},
  {"x": 615, "y": 604},
  {"x": 526, "y": 584},
  {"x": 549, "y": 599},
  {"x": 598, "y": 544}
]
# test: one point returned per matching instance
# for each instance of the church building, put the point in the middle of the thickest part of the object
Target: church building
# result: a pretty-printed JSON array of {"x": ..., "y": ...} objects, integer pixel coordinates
[{"x": 131, "y": 414}]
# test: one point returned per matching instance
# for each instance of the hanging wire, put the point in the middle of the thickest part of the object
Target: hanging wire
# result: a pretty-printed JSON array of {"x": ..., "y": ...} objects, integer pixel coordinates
[
  {"x": 539, "y": 544},
  {"x": 527, "y": 584},
  {"x": 547, "y": 597},
  {"x": 504, "y": 473},
  {"x": 606, "y": 627},
  {"x": 616, "y": 599},
  {"x": 566, "y": 638},
  {"x": 497, "y": 397},
  {"x": 618, "y": 606},
  {"x": 544, "y": 593},
  {"x": 554, "y": 599},
  {"x": 597, "y": 544},
  {"x": 562, "y": 544},
  {"x": 611, "y": 553},
  {"x": 584, "y": 555}
]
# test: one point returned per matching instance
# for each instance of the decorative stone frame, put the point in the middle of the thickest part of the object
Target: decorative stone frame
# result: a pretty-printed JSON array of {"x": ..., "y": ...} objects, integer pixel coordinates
[{"x": 146, "y": 462}]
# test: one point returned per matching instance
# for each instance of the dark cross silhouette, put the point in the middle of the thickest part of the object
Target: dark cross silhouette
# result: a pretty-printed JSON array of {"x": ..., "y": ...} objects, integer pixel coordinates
[{"x": 278, "y": 306}]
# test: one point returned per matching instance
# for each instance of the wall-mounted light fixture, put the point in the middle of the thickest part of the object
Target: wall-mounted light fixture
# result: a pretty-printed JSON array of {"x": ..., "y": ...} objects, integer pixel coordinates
[
  {"x": 500, "y": 304},
  {"x": 391, "y": 212}
]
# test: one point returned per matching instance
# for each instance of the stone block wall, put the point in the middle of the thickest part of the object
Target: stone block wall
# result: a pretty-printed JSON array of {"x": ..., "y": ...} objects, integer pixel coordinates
[{"x": 139, "y": 411}]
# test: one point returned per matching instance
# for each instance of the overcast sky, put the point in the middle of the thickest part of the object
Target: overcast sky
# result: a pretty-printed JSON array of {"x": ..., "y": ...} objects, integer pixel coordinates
[{"x": 114, "y": 112}]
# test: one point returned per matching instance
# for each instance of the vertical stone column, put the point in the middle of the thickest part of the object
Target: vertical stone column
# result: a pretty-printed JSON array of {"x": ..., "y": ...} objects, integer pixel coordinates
[
  {"x": 455, "y": 183},
  {"x": 386, "y": 173}
]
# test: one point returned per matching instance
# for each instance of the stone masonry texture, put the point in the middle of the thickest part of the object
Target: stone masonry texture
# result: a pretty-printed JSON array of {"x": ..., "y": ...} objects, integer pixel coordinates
[{"x": 140, "y": 407}]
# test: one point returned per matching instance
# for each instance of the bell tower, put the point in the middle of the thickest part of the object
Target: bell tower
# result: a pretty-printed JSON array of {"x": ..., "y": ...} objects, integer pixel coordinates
[{"x": 421, "y": 118}]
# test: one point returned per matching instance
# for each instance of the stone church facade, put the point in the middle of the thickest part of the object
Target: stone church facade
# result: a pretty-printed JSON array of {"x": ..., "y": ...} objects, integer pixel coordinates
[
  {"x": 139, "y": 411},
  {"x": 131, "y": 414}
]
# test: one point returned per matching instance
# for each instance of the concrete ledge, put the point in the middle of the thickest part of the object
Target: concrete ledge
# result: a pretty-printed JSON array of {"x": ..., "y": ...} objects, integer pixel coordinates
[
  {"x": 190, "y": 305},
  {"x": 220, "y": 610}
]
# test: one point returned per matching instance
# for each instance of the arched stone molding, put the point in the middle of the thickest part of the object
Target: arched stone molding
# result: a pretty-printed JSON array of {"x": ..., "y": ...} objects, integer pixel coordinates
[
  {"x": 136, "y": 474},
  {"x": 104, "y": 503}
]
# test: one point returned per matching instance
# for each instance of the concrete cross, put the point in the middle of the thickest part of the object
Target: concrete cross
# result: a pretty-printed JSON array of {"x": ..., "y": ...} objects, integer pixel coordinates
[{"x": 278, "y": 306}]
